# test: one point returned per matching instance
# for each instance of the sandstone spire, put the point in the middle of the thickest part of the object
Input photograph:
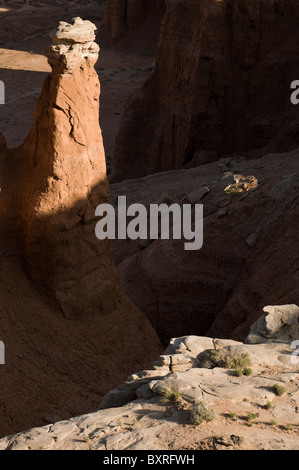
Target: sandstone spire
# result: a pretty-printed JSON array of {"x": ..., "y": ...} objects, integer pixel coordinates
[{"x": 65, "y": 179}]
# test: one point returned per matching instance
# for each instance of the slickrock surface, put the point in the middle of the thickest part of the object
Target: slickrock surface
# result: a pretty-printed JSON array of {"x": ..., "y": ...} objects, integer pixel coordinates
[
  {"x": 62, "y": 307},
  {"x": 250, "y": 249},
  {"x": 221, "y": 85},
  {"x": 248, "y": 413}
]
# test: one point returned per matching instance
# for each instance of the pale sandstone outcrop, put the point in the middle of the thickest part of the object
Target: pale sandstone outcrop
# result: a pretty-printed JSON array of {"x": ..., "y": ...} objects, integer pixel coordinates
[
  {"x": 279, "y": 324},
  {"x": 150, "y": 422},
  {"x": 221, "y": 85}
]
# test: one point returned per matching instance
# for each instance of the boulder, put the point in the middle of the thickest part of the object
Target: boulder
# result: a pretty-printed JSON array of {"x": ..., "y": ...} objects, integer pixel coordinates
[{"x": 279, "y": 324}]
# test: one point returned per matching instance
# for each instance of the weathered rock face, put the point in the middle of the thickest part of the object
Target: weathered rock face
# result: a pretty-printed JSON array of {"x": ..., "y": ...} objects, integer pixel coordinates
[
  {"x": 221, "y": 85},
  {"x": 249, "y": 251},
  {"x": 279, "y": 324},
  {"x": 133, "y": 19}
]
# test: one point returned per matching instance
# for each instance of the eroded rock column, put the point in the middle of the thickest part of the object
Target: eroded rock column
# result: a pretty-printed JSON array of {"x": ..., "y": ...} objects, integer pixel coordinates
[{"x": 64, "y": 179}]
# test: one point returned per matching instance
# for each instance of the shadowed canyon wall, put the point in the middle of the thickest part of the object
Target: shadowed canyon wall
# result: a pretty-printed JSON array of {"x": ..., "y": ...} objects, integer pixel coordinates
[
  {"x": 249, "y": 252},
  {"x": 221, "y": 85},
  {"x": 135, "y": 24}
]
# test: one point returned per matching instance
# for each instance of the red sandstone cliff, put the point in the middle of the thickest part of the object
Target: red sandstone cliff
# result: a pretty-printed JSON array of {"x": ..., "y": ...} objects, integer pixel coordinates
[{"x": 221, "y": 85}]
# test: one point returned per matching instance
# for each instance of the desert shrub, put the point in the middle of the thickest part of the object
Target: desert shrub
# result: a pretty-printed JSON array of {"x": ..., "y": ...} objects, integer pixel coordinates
[
  {"x": 171, "y": 395},
  {"x": 287, "y": 427},
  {"x": 279, "y": 390},
  {"x": 269, "y": 405},
  {"x": 224, "y": 359},
  {"x": 201, "y": 413},
  {"x": 216, "y": 357},
  {"x": 237, "y": 440},
  {"x": 237, "y": 361},
  {"x": 227, "y": 360},
  {"x": 251, "y": 417}
]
